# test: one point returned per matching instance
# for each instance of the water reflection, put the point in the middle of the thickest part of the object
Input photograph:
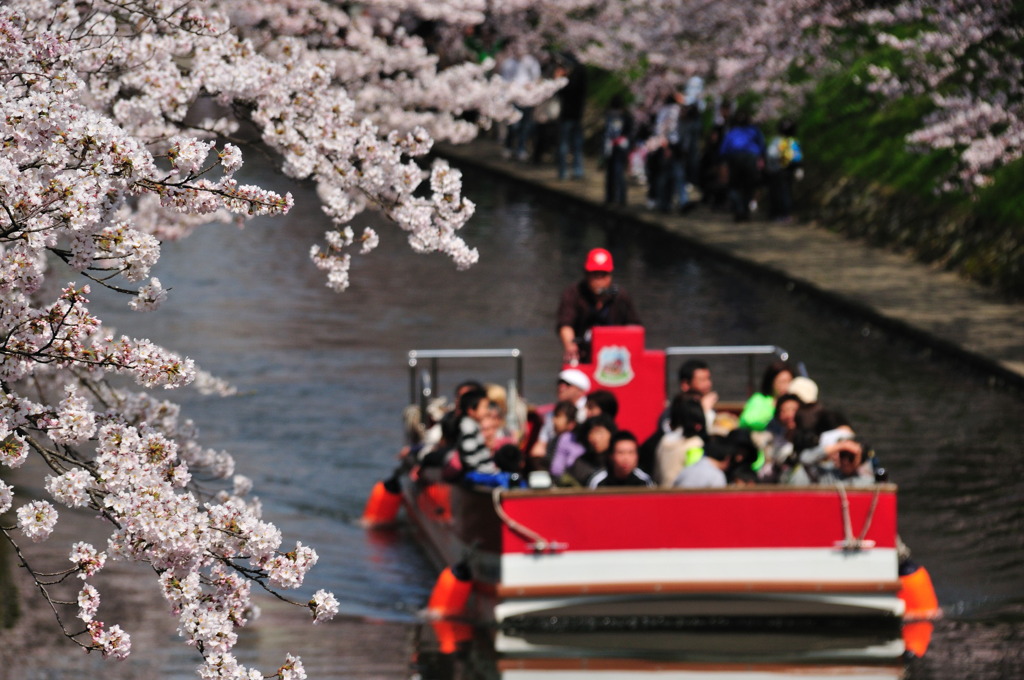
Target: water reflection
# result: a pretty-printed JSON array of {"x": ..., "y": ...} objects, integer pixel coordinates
[{"x": 448, "y": 651}]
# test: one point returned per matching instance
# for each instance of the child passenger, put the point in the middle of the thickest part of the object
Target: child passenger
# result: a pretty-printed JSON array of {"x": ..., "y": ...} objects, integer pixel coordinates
[
  {"x": 566, "y": 449},
  {"x": 470, "y": 448}
]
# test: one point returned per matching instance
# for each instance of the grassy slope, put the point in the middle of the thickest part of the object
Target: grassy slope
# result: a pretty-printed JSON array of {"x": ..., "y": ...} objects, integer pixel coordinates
[{"x": 851, "y": 134}]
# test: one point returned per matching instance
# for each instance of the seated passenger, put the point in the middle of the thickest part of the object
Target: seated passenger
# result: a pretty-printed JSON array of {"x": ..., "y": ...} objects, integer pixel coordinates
[
  {"x": 695, "y": 380},
  {"x": 684, "y": 444},
  {"x": 492, "y": 427},
  {"x": 596, "y": 435},
  {"x": 709, "y": 471},
  {"x": 854, "y": 463},
  {"x": 441, "y": 437},
  {"x": 509, "y": 461},
  {"x": 760, "y": 408},
  {"x": 566, "y": 448},
  {"x": 810, "y": 421},
  {"x": 778, "y": 452},
  {"x": 622, "y": 467},
  {"x": 839, "y": 458},
  {"x": 602, "y": 401},
  {"x": 573, "y": 385},
  {"x": 470, "y": 452},
  {"x": 804, "y": 388},
  {"x": 745, "y": 457}
]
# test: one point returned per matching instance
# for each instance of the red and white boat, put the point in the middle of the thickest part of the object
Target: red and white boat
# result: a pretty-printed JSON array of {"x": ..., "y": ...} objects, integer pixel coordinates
[
  {"x": 745, "y": 551},
  {"x": 752, "y": 551}
]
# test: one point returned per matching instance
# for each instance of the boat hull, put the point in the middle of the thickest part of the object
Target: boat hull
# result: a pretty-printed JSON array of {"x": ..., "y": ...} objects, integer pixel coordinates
[{"x": 734, "y": 552}]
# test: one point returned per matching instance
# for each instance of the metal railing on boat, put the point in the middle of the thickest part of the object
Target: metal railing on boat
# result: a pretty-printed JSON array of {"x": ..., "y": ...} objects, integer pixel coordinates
[
  {"x": 749, "y": 351},
  {"x": 434, "y": 356}
]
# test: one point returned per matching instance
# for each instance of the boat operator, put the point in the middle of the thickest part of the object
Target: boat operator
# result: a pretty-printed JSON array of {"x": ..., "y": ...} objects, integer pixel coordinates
[{"x": 593, "y": 301}]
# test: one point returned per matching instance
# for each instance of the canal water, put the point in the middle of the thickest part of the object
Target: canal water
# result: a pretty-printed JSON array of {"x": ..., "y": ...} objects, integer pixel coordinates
[{"x": 322, "y": 379}]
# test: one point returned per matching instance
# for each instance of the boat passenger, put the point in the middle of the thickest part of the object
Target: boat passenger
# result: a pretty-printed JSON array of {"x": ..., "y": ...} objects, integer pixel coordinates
[
  {"x": 493, "y": 429},
  {"x": 498, "y": 397},
  {"x": 596, "y": 435},
  {"x": 839, "y": 458},
  {"x": 709, "y": 471},
  {"x": 685, "y": 443},
  {"x": 694, "y": 379},
  {"x": 565, "y": 449},
  {"x": 760, "y": 408},
  {"x": 508, "y": 470},
  {"x": 602, "y": 401},
  {"x": 812, "y": 421},
  {"x": 593, "y": 301},
  {"x": 470, "y": 452},
  {"x": 778, "y": 451},
  {"x": 495, "y": 424},
  {"x": 573, "y": 385},
  {"x": 622, "y": 467},
  {"x": 805, "y": 388},
  {"x": 442, "y": 436},
  {"x": 745, "y": 457}
]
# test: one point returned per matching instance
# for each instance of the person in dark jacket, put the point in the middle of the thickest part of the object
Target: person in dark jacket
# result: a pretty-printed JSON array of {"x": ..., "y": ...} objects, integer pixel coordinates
[
  {"x": 743, "y": 152},
  {"x": 621, "y": 467},
  {"x": 594, "y": 301},
  {"x": 573, "y": 98},
  {"x": 618, "y": 140}
]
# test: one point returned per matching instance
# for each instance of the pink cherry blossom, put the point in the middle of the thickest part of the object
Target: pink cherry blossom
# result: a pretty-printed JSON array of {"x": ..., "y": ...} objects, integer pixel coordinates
[
  {"x": 87, "y": 559},
  {"x": 37, "y": 519}
]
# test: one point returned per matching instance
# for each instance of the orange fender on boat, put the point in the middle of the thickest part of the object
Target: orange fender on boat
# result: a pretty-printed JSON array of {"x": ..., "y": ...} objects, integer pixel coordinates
[
  {"x": 440, "y": 495},
  {"x": 917, "y": 636},
  {"x": 918, "y": 593},
  {"x": 451, "y": 592},
  {"x": 450, "y": 634},
  {"x": 383, "y": 504}
]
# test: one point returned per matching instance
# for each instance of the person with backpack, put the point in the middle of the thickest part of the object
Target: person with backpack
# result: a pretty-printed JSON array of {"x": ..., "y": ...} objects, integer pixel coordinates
[{"x": 783, "y": 164}]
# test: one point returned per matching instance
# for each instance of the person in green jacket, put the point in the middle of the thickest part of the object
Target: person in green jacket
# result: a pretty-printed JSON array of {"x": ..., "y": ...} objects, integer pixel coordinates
[{"x": 760, "y": 407}]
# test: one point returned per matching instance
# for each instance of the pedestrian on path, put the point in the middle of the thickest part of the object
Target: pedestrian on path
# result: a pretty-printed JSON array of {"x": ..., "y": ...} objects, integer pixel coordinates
[
  {"x": 743, "y": 152},
  {"x": 573, "y": 99},
  {"x": 618, "y": 140}
]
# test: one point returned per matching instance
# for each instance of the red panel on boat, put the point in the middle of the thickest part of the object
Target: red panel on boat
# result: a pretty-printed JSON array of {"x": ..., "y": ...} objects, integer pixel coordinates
[{"x": 800, "y": 518}]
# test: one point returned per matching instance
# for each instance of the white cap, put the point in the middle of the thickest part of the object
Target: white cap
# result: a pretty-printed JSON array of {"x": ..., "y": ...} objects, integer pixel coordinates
[
  {"x": 830, "y": 437},
  {"x": 576, "y": 378},
  {"x": 804, "y": 388}
]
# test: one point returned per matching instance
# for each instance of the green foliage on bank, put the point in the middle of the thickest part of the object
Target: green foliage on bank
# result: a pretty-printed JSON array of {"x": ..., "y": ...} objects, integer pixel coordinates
[
  {"x": 852, "y": 134},
  {"x": 849, "y": 130}
]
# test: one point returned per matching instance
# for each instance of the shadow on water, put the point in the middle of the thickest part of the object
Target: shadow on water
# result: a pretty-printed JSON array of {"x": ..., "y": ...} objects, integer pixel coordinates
[{"x": 322, "y": 381}]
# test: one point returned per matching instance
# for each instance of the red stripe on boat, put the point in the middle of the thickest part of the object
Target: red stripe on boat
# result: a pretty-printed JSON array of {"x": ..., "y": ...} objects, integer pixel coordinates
[{"x": 805, "y": 518}]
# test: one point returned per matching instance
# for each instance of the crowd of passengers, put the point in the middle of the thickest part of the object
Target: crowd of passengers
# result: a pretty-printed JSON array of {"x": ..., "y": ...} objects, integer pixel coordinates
[{"x": 783, "y": 434}]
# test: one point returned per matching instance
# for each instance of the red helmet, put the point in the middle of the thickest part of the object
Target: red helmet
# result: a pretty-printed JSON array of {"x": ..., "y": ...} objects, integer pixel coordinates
[{"x": 598, "y": 260}]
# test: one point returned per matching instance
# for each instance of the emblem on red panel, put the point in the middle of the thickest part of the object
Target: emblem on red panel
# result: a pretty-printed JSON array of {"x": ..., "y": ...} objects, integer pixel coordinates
[{"x": 614, "y": 368}]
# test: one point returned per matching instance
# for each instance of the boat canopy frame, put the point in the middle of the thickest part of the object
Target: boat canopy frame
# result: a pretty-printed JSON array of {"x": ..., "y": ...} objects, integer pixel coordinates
[
  {"x": 422, "y": 390},
  {"x": 749, "y": 351}
]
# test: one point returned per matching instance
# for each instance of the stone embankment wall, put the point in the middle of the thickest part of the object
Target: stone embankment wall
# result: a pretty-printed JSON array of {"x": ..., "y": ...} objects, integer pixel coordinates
[{"x": 932, "y": 230}]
